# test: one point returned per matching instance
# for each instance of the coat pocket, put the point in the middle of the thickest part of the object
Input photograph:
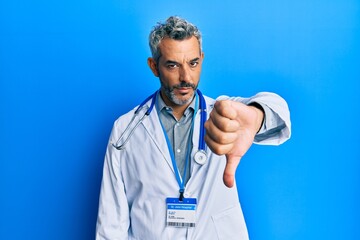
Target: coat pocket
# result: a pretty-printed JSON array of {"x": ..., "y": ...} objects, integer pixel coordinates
[{"x": 230, "y": 224}]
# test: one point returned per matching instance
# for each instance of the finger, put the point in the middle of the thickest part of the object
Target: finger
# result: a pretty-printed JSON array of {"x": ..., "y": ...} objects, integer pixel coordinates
[
  {"x": 230, "y": 169},
  {"x": 223, "y": 123},
  {"x": 225, "y": 109},
  {"x": 219, "y": 149},
  {"x": 218, "y": 135}
]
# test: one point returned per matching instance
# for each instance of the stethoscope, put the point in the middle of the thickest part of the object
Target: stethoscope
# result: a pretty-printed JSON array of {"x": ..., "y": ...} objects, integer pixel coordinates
[{"x": 200, "y": 156}]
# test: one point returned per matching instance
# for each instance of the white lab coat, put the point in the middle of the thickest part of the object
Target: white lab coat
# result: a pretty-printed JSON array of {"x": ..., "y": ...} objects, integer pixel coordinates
[{"x": 137, "y": 180}]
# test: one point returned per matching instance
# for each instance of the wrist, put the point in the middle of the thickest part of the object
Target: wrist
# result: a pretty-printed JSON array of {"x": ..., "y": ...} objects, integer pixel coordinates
[{"x": 260, "y": 114}]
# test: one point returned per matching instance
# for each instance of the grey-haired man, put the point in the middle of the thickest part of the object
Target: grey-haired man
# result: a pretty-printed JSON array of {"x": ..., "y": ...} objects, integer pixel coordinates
[{"x": 156, "y": 187}]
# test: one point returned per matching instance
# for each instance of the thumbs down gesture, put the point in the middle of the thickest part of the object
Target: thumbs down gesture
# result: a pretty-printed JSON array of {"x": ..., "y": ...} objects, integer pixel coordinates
[{"x": 230, "y": 131}]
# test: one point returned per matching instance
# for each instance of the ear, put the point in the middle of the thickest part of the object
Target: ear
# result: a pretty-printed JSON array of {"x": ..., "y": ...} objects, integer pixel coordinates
[{"x": 152, "y": 64}]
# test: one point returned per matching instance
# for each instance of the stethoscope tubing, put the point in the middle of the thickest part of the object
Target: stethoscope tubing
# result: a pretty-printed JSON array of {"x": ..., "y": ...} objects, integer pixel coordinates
[{"x": 203, "y": 116}]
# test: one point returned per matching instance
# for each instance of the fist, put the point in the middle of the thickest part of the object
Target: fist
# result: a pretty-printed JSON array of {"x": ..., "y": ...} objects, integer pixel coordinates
[{"x": 230, "y": 131}]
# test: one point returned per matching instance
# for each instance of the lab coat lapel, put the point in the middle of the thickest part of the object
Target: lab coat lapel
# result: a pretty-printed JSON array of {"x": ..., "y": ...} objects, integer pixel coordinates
[{"x": 154, "y": 129}]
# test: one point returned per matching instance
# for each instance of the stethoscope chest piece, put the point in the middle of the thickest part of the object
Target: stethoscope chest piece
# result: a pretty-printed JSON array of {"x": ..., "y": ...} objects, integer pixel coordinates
[{"x": 200, "y": 157}]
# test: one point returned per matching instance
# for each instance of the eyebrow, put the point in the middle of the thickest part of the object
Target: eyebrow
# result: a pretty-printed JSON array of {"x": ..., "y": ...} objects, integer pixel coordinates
[
  {"x": 171, "y": 62},
  {"x": 175, "y": 62},
  {"x": 195, "y": 59}
]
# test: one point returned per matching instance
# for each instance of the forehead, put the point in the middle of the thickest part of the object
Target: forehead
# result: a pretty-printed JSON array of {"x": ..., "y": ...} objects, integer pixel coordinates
[{"x": 179, "y": 49}]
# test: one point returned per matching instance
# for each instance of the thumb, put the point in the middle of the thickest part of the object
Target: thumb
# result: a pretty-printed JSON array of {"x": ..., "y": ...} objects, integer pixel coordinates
[{"x": 232, "y": 161}]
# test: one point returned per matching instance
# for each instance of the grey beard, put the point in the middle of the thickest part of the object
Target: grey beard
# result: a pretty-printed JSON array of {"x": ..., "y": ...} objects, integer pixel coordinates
[{"x": 169, "y": 92}]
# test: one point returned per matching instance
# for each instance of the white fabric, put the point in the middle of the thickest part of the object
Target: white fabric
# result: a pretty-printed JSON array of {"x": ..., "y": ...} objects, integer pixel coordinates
[{"x": 138, "y": 179}]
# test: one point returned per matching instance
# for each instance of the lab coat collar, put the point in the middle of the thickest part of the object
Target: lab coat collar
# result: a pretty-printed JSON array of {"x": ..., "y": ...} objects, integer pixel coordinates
[{"x": 153, "y": 128}]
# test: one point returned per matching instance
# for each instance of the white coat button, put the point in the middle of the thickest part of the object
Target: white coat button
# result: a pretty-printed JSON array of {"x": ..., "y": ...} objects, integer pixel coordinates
[{"x": 178, "y": 150}]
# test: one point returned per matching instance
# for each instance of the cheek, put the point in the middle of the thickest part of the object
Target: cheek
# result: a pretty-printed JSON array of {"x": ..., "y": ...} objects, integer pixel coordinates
[
  {"x": 168, "y": 76},
  {"x": 164, "y": 79},
  {"x": 196, "y": 74}
]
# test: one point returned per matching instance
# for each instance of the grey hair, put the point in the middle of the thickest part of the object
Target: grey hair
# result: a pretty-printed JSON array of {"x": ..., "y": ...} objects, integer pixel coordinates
[{"x": 175, "y": 28}]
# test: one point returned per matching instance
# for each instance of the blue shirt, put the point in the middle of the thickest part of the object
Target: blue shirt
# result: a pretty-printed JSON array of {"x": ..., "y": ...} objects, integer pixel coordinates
[{"x": 178, "y": 132}]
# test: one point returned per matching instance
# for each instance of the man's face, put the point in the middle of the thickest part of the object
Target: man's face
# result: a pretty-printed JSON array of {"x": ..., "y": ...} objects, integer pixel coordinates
[{"x": 178, "y": 69}]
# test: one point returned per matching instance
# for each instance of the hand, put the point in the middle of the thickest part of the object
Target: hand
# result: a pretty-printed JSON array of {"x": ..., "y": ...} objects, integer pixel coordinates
[{"x": 230, "y": 131}]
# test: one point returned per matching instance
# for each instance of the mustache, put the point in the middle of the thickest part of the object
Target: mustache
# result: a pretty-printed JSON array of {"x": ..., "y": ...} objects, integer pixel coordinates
[{"x": 183, "y": 85}]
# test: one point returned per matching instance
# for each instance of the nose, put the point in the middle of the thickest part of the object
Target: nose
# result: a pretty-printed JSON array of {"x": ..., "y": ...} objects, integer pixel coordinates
[{"x": 185, "y": 75}]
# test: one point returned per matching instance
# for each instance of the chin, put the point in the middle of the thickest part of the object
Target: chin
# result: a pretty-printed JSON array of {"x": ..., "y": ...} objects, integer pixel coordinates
[{"x": 183, "y": 99}]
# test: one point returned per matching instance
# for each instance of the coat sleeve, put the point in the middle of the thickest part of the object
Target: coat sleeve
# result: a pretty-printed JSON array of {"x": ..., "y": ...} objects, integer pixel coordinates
[
  {"x": 276, "y": 127},
  {"x": 113, "y": 214}
]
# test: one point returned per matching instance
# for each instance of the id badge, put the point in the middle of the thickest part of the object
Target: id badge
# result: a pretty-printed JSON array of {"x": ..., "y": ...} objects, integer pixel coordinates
[{"x": 181, "y": 213}]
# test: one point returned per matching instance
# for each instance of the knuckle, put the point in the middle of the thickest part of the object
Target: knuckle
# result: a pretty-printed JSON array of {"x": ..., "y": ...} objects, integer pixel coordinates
[
  {"x": 224, "y": 105},
  {"x": 223, "y": 138},
  {"x": 220, "y": 149},
  {"x": 226, "y": 110},
  {"x": 227, "y": 125},
  {"x": 206, "y": 125}
]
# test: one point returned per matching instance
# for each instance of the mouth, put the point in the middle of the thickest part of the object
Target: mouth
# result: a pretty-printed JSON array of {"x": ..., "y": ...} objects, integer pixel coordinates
[{"x": 183, "y": 90}]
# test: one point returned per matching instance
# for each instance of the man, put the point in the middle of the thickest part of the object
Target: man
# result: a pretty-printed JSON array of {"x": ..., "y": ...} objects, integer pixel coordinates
[{"x": 155, "y": 186}]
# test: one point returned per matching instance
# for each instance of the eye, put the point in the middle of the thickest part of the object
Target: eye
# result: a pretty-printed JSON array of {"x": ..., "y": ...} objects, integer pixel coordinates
[
  {"x": 171, "y": 65},
  {"x": 194, "y": 64}
]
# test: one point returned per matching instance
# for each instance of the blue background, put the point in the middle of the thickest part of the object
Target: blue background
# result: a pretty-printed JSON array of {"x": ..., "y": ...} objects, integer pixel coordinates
[{"x": 68, "y": 69}]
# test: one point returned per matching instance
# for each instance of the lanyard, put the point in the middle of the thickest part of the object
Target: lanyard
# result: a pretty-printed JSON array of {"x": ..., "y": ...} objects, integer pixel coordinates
[{"x": 181, "y": 180}]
